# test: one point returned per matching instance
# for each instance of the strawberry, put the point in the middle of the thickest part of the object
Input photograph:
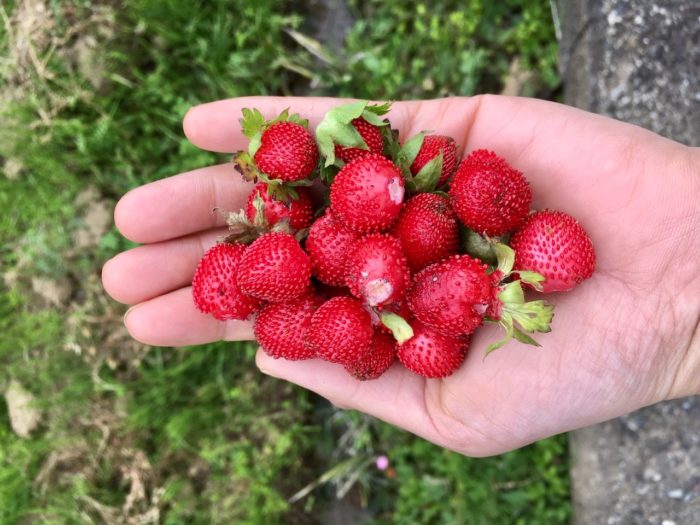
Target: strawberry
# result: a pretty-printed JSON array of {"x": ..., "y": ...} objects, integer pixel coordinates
[
  {"x": 428, "y": 230},
  {"x": 377, "y": 271},
  {"x": 377, "y": 360},
  {"x": 340, "y": 331},
  {"x": 367, "y": 194},
  {"x": 452, "y": 296},
  {"x": 553, "y": 244},
  {"x": 280, "y": 328},
  {"x": 275, "y": 268},
  {"x": 488, "y": 195},
  {"x": 287, "y": 152},
  {"x": 298, "y": 212},
  {"x": 434, "y": 145},
  {"x": 215, "y": 287},
  {"x": 432, "y": 354},
  {"x": 329, "y": 245},
  {"x": 372, "y": 137}
]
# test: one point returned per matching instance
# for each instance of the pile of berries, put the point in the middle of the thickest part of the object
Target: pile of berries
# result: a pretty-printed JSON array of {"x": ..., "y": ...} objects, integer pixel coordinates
[{"x": 359, "y": 250}]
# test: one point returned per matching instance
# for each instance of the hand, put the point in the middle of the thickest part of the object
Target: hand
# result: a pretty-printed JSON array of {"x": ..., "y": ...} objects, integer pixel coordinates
[{"x": 620, "y": 341}]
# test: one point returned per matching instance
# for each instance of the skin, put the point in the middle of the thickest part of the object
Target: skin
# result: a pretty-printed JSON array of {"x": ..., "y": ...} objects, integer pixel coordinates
[{"x": 626, "y": 338}]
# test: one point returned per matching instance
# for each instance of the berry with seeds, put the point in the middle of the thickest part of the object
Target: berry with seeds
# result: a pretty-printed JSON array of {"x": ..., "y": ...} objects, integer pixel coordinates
[
  {"x": 430, "y": 353},
  {"x": 377, "y": 360},
  {"x": 372, "y": 137},
  {"x": 434, "y": 145},
  {"x": 329, "y": 245},
  {"x": 299, "y": 212}
]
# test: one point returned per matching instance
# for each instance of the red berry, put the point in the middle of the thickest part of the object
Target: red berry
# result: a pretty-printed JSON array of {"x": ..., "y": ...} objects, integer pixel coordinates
[
  {"x": 370, "y": 134},
  {"x": 340, "y": 331},
  {"x": 275, "y": 268},
  {"x": 432, "y": 146},
  {"x": 553, "y": 244},
  {"x": 329, "y": 245},
  {"x": 452, "y": 296},
  {"x": 428, "y": 230},
  {"x": 430, "y": 353},
  {"x": 367, "y": 194},
  {"x": 287, "y": 152},
  {"x": 488, "y": 195},
  {"x": 377, "y": 271},
  {"x": 280, "y": 328},
  {"x": 299, "y": 212},
  {"x": 377, "y": 360},
  {"x": 215, "y": 285}
]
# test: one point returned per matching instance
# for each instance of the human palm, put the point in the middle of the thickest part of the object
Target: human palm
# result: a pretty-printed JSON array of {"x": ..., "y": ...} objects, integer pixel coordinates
[{"x": 620, "y": 341}]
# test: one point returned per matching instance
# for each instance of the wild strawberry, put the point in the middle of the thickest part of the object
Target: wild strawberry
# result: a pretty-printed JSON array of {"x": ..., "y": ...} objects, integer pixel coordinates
[
  {"x": 488, "y": 195},
  {"x": 280, "y": 328},
  {"x": 432, "y": 146},
  {"x": 275, "y": 268},
  {"x": 367, "y": 194},
  {"x": 215, "y": 287},
  {"x": 452, "y": 296},
  {"x": 430, "y": 353},
  {"x": 329, "y": 245},
  {"x": 377, "y": 271},
  {"x": 371, "y": 135},
  {"x": 340, "y": 331},
  {"x": 428, "y": 230},
  {"x": 376, "y": 360},
  {"x": 287, "y": 152},
  {"x": 553, "y": 244},
  {"x": 298, "y": 212},
  {"x": 399, "y": 308}
]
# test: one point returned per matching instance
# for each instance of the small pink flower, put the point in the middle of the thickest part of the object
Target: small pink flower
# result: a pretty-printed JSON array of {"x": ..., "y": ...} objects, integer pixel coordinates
[{"x": 382, "y": 462}]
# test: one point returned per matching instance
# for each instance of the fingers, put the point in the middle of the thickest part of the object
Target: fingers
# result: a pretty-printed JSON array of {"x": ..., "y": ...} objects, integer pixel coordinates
[
  {"x": 173, "y": 320},
  {"x": 145, "y": 272},
  {"x": 180, "y": 205}
]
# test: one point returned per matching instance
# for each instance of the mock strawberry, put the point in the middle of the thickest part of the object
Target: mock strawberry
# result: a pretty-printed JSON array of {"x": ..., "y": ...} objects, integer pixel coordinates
[
  {"x": 215, "y": 287},
  {"x": 329, "y": 245},
  {"x": 377, "y": 271},
  {"x": 340, "y": 331},
  {"x": 428, "y": 230},
  {"x": 376, "y": 360},
  {"x": 554, "y": 244},
  {"x": 434, "y": 145},
  {"x": 372, "y": 137},
  {"x": 452, "y": 296},
  {"x": 287, "y": 152},
  {"x": 275, "y": 268},
  {"x": 432, "y": 354},
  {"x": 488, "y": 195},
  {"x": 280, "y": 328},
  {"x": 299, "y": 212},
  {"x": 367, "y": 194}
]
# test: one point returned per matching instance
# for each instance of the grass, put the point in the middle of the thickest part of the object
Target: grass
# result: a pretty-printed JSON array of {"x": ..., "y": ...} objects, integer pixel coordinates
[{"x": 129, "y": 434}]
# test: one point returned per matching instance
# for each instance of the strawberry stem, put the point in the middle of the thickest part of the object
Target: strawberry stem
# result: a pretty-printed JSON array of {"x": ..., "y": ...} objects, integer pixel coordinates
[{"x": 401, "y": 330}]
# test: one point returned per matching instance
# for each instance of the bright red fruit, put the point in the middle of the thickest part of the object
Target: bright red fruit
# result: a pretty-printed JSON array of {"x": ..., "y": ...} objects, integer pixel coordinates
[
  {"x": 430, "y": 353},
  {"x": 428, "y": 230},
  {"x": 299, "y": 212},
  {"x": 280, "y": 328},
  {"x": 341, "y": 331},
  {"x": 432, "y": 146},
  {"x": 287, "y": 152},
  {"x": 488, "y": 195},
  {"x": 329, "y": 245},
  {"x": 372, "y": 136},
  {"x": 275, "y": 268},
  {"x": 215, "y": 285},
  {"x": 377, "y": 271},
  {"x": 553, "y": 244},
  {"x": 452, "y": 296},
  {"x": 377, "y": 360},
  {"x": 367, "y": 194}
]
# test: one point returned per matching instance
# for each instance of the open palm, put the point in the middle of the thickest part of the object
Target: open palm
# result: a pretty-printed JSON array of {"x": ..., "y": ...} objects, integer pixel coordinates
[{"x": 620, "y": 341}]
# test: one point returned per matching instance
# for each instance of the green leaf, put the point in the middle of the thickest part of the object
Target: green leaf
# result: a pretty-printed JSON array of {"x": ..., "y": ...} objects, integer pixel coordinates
[
  {"x": 533, "y": 316},
  {"x": 427, "y": 178},
  {"x": 401, "y": 330},
  {"x": 534, "y": 279},
  {"x": 409, "y": 151},
  {"x": 252, "y": 122},
  {"x": 512, "y": 294},
  {"x": 243, "y": 163},
  {"x": 312, "y": 46},
  {"x": 505, "y": 256},
  {"x": 522, "y": 337},
  {"x": 373, "y": 114}
]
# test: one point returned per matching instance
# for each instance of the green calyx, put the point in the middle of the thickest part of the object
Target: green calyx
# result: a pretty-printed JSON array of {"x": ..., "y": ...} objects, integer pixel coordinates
[
  {"x": 481, "y": 247},
  {"x": 426, "y": 180},
  {"x": 399, "y": 327},
  {"x": 336, "y": 127},
  {"x": 518, "y": 317},
  {"x": 244, "y": 164}
]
